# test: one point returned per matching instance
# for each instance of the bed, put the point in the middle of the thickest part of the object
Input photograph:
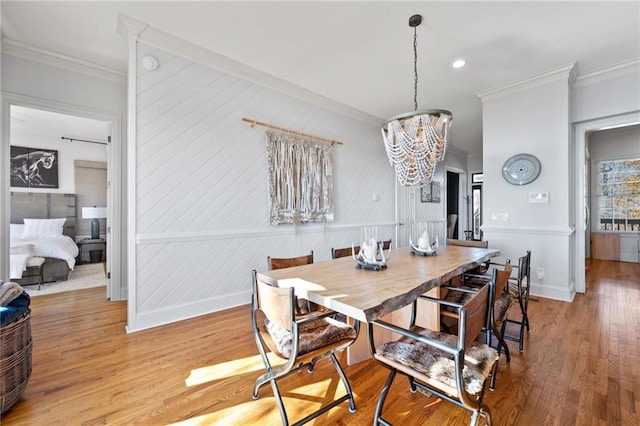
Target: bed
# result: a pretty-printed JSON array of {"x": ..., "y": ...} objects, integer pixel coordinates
[{"x": 42, "y": 225}]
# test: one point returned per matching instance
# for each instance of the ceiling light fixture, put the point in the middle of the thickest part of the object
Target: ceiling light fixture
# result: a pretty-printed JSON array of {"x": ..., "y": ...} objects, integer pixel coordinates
[
  {"x": 459, "y": 63},
  {"x": 416, "y": 141}
]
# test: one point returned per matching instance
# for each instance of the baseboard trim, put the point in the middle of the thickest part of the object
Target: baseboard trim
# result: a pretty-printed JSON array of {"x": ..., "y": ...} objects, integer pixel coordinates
[
  {"x": 553, "y": 292},
  {"x": 147, "y": 320}
]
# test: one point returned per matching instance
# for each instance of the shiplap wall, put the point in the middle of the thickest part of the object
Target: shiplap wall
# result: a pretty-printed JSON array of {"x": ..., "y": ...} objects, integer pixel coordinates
[{"x": 201, "y": 187}]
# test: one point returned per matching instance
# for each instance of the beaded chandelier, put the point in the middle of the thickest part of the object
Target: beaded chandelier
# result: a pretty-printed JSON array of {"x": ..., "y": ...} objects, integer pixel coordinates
[{"x": 416, "y": 141}]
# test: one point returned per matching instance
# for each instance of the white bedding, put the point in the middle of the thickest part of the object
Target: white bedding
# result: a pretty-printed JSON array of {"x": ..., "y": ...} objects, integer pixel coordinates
[
  {"x": 60, "y": 247},
  {"x": 18, "y": 264}
]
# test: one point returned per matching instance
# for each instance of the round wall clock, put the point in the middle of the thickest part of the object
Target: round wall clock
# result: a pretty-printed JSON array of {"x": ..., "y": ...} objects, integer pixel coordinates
[{"x": 521, "y": 169}]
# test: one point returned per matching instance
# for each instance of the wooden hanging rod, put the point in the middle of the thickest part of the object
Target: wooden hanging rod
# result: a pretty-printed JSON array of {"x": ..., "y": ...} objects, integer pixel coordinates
[{"x": 282, "y": 129}]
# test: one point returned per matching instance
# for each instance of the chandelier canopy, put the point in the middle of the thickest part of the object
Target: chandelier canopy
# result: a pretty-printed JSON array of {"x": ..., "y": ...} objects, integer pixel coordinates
[{"x": 416, "y": 141}]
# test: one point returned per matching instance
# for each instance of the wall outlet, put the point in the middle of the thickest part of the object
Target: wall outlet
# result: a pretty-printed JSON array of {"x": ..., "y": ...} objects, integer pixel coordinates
[
  {"x": 540, "y": 274},
  {"x": 500, "y": 217}
]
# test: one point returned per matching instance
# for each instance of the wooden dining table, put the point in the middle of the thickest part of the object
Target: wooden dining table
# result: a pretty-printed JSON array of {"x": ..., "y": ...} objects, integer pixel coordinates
[{"x": 366, "y": 295}]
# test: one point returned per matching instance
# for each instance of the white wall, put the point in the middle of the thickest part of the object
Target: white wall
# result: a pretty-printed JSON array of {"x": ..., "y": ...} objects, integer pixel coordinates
[
  {"x": 533, "y": 120},
  {"x": 30, "y": 80},
  {"x": 36, "y": 79},
  {"x": 614, "y": 144},
  {"x": 592, "y": 98},
  {"x": 201, "y": 189},
  {"x": 610, "y": 145}
]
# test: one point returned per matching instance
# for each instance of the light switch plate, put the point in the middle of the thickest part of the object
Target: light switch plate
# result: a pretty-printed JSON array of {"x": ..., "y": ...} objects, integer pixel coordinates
[{"x": 538, "y": 197}]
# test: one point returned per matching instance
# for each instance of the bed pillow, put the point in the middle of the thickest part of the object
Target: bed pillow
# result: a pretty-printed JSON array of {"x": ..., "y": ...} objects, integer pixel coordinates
[
  {"x": 42, "y": 228},
  {"x": 16, "y": 230}
]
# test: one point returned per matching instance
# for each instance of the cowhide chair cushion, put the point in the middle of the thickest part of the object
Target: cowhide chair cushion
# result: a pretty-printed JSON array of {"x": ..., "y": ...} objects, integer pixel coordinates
[
  {"x": 312, "y": 335},
  {"x": 513, "y": 290},
  {"x": 459, "y": 297},
  {"x": 501, "y": 308},
  {"x": 439, "y": 365}
]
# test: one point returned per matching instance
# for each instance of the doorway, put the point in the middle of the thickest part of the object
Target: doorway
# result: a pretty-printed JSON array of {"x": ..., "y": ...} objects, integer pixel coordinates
[
  {"x": 456, "y": 202},
  {"x": 612, "y": 167},
  {"x": 453, "y": 206},
  {"x": 580, "y": 205},
  {"x": 16, "y": 110}
]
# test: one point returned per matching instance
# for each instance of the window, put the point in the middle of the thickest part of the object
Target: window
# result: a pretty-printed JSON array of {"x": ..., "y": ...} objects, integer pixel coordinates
[{"x": 619, "y": 195}]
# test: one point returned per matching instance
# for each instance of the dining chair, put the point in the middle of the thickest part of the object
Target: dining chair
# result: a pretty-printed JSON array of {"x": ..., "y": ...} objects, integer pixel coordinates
[
  {"x": 500, "y": 303},
  {"x": 467, "y": 243},
  {"x": 502, "y": 300},
  {"x": 288, "y": 262},
  {"x": 348, "y": 251},
  {"x": 481, "y": 269},
  {"x": 519, "y": 287},
  {"x": 344, "y": 252},
  {"x": 296, "y": 340},
  {"x": 454, "y": 367}
]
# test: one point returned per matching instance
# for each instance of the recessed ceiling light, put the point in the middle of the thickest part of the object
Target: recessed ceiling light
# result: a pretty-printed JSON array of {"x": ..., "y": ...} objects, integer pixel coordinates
[{"x": 459, "y": 63}]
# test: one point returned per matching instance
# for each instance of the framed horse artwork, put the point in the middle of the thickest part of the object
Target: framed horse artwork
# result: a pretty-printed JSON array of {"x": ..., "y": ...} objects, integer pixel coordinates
[{"x": 34, "y": 167}]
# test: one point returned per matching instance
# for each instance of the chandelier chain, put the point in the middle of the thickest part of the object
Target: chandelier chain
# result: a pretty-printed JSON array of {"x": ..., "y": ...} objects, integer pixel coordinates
[
  {"x": 415, "y": 69},
  {"x": 416, "y": 142}
]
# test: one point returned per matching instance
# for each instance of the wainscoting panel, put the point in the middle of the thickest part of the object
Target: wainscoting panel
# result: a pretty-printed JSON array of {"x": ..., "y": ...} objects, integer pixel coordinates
[
  {"x": 551, "y": 250},
  {"x": 183, "y": 278}
]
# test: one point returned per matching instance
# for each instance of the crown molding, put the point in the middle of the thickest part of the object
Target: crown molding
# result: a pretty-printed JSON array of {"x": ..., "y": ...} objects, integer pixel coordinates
[
  {"x": 457, "y": 151},
  {"x": 148, "y": 35},
  {"x": 566, "y": 72},
  {"x": 26, "y": 51},
  {"x": 623, "y": 68},
  {"x": 129, "y": 27}
]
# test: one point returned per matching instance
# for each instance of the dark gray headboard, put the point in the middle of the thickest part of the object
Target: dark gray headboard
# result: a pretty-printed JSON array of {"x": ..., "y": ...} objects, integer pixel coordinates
[{"x": 45, "y": 205}]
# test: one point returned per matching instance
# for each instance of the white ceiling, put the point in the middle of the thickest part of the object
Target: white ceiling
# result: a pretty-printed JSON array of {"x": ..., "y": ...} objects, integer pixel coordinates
[{"x": 359, "y": 53}]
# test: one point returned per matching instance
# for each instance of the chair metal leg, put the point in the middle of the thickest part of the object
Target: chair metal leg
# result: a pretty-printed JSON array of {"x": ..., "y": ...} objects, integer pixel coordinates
[
  {"x": 501, "y": 342},
  {"x": 523, "y": 325},
  {"x": 276, "y": 393},
  {"x": 412, "y": 384},
  {"x": 347, "y": 386},
  {"x": 377, "y": 419},
  {"x": 474, "y": 418},
  {"x": 263, "y": 379},
  {"x": 486, "y": 413}
]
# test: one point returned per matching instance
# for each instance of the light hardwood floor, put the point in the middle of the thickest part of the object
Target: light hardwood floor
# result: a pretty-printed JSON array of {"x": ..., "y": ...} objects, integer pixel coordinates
[{"x": 581, "y": 365}]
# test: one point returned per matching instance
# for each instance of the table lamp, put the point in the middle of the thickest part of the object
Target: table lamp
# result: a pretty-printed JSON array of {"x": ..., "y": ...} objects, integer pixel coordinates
[{"x": 94, "y": 213}]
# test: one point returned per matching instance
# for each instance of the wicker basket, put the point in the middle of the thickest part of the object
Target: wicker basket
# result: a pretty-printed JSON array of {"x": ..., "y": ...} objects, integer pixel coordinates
[{"x": 15, "y": 361}]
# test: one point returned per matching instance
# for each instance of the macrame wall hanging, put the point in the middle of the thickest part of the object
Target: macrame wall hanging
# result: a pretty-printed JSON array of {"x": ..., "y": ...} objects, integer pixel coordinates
[{"x": 300, "y": 178}]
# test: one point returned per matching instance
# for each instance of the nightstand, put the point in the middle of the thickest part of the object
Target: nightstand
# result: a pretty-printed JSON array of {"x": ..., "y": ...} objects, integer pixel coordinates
[{"x": 91, "y": 250}]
